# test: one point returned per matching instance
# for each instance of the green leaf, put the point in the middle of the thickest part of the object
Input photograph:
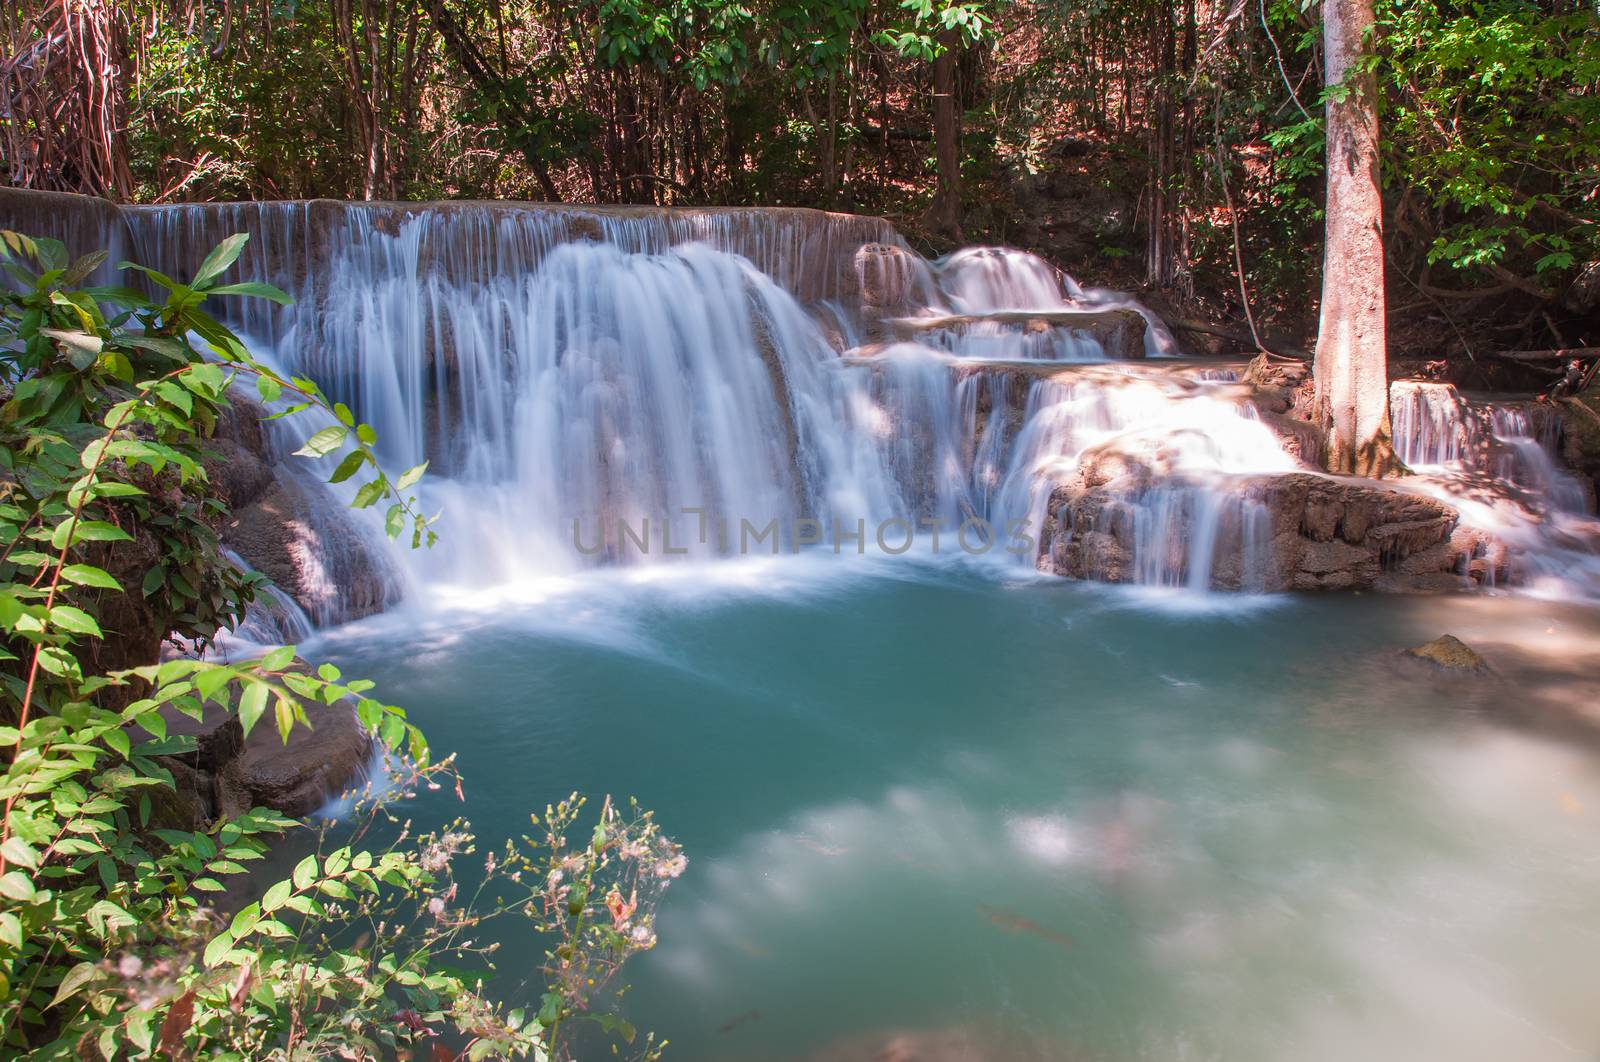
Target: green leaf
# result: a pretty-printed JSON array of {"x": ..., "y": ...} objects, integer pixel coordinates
[
  {"x": 75, "y": 979},
  {"x": 88, "y": 575},
  {"x": 80, "y": 270},
  {"x": 276, "y": 895},
  {"x": 411, "y": 476},
  {"x": 57, "y": 661},
  {"x": 75, "y": 620},
  {"x": 368, "y": 494},
  {"x": 324, "y": 442},
  {"x": 349, "y": 466},
  {"x": 76, "y": 341},
  {"x": 160, "y": 278},
  {"x": 15, "y": 885},
  {"x": 220, "y": 258},
  {"x": 278, "y": 659},
  {"x": 20, "y": 852},
  {"x": 254, "y": 288},
  {"x": 252, "y": 702},
  {"x": 305, "y": 872},
  {"x": 220, "y": 945},
  {"x": 87, "y": 531},
  {"x": 245, "y": 920}
]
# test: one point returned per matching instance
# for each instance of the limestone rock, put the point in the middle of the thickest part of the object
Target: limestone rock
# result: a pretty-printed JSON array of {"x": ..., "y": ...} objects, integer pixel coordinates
[
  {"x": 1327, "y": 533},
  {"x": 1280, "y": 386},
  {"x": 886, "y": 275},
  {"x": 239, "y": 462},
  {"x": 1300, "y": 439},
  {"x": 1449, "y": 653},
  {"x": 229, "y": 773},
  {"x": 299, "y": 536},
  {"x": 1580, "y": 435},
  {"x": 314, "y": 766}
]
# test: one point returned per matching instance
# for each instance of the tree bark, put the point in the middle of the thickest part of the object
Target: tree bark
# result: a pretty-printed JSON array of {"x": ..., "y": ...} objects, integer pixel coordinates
[
  {"x": 1351, "y": 366},
  {"x": 944, "y": 214}
]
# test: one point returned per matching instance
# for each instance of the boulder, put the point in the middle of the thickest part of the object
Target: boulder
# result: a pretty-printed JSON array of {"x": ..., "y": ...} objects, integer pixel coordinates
[
  {"x": 1280, "y": 386},
  {"x": 1580, "y": 435},
  {"x": 1343, "y": 533},
  {"x": 1449, "y": 653},
  {"x": 1325, "y": 533},
  {"x": 299, "y": 536},
  {"x": 886, "y": 275},
  {"x": 299, "y": 776},
  {"x": 229, "y": 773}
]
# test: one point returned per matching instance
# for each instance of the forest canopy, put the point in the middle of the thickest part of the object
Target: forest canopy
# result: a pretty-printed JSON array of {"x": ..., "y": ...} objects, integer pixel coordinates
[{"x": 1132, "y": 141}]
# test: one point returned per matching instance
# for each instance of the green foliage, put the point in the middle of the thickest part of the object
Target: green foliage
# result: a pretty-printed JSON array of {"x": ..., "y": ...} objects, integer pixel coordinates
[
  {"x": 1494, "y": 118},
  {"x": 113, "y": 937}
]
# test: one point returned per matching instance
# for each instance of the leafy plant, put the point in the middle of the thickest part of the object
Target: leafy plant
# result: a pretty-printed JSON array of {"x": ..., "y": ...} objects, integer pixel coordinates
[{"x": 112, "y": 938}]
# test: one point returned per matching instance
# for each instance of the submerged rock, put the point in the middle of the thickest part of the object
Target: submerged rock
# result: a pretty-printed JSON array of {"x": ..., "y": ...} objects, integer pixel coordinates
[
  {"x": 229, "y": 773},
  {"x": 1449, "y": 653}
]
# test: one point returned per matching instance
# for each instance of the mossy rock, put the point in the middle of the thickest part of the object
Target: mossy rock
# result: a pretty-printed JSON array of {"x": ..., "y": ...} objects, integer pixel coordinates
[
  {"x": 1449, "y": 653},
  {"x": 1580, "y": 430}
]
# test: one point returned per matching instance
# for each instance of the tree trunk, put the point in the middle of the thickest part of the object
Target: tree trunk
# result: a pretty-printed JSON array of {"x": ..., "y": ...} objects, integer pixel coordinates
[
  {"x": 944, "y": 214},
  {"x": 1351, "y": 368}
]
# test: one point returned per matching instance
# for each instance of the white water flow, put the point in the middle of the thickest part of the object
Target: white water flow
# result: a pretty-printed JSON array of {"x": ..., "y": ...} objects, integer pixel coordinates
[
  {"x": 609, "y": 387},
  {"x": 1461, "y": 444},
  {"x": 599, "y": 388}
]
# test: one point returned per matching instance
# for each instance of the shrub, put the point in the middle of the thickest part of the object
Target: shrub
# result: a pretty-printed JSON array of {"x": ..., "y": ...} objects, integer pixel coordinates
[{"x": 111, "y": 940}]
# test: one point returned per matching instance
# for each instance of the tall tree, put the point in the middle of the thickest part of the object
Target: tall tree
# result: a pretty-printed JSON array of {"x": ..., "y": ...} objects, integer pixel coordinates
[
  {"x": 1351, "y": 368},
  {"x": 944, "y": 213}
]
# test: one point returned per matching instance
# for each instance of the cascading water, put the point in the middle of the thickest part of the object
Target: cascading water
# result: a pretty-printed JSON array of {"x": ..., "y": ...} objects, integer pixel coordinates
[
  {"x": 601, "y": 386},
  {"x": 1461, "y": 443},
  {"x": 605, "y": 387}
]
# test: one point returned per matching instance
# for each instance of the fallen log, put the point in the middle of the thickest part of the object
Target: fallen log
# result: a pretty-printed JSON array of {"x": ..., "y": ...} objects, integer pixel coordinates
[
  {"x": 1556, "y": 354},
  {"x": 1237, "y": 335}
]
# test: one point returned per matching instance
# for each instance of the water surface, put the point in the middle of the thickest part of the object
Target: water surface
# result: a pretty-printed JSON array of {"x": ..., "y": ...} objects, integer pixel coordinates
[{"x": 929, "y": 808}]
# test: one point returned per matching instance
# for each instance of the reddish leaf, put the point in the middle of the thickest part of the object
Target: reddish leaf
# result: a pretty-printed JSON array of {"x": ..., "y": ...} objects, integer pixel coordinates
[
  {"x": 177, "y": 1022},
  {"x": 241, "y": 988}
]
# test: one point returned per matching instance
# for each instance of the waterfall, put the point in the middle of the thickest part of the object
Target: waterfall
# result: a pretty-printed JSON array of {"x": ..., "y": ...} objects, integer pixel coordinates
[
  {"x": 1498, "y": 461},
  {"x": 1514, "y": 443},
  {"x": 612, "y": 386},
  {"x": 631, "y": 386},
  {"x": 1429, "y": 423}
]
